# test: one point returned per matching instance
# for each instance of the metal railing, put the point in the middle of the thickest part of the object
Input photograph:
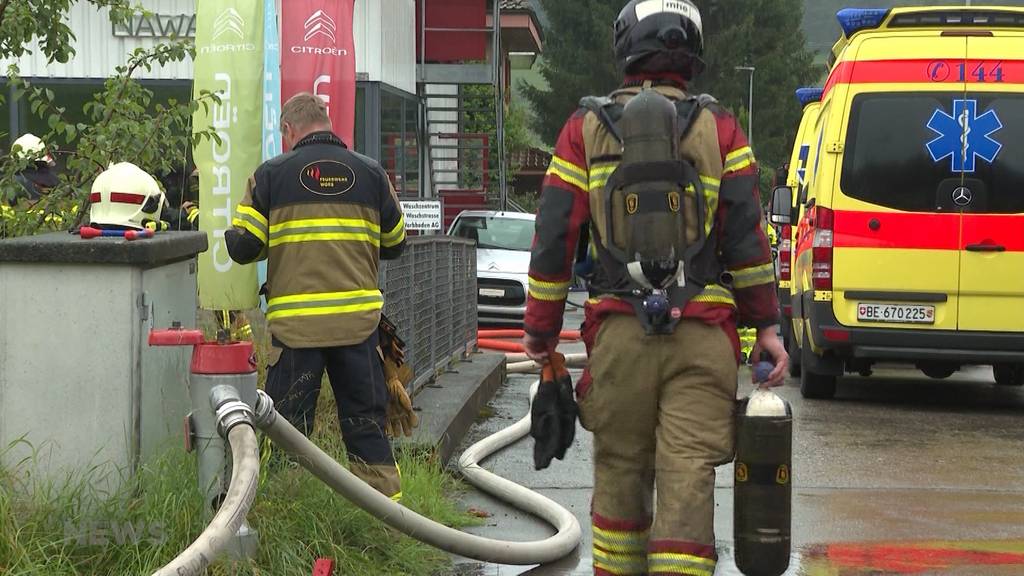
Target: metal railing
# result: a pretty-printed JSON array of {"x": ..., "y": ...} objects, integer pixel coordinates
[{"x": 430, "y": 294}]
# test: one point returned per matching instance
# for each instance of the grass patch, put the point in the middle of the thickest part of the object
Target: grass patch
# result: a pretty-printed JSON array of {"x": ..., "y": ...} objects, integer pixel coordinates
[
  {"x": 70, "y": 530},
  {"x": 65, "y": 531}
]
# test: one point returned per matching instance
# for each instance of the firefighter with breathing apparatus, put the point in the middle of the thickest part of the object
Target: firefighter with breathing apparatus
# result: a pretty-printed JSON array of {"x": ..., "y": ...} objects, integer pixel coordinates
[{"x": 668, "y": 186}]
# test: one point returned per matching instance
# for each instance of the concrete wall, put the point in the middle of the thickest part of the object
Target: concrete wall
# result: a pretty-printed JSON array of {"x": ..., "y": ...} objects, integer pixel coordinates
[{"x": 79, "y": 387}]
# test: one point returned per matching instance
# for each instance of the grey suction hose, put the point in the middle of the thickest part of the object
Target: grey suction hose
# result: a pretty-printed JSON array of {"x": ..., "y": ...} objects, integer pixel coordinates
[
  {"x": 423, "y": 529},
  {"x": 245, "y": 458}
]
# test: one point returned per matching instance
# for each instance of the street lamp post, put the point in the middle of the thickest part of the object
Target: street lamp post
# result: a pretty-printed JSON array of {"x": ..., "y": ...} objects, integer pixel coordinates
[{"x": 750, "y": 107}]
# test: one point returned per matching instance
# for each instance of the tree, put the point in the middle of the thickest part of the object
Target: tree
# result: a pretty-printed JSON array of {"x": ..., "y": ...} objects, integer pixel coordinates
[
  {"x": 578, "y": 60},
  {"x": 478, "y": 117},
  {"x": 124, "y": 122},
  {"x": 766, "y": 34}
]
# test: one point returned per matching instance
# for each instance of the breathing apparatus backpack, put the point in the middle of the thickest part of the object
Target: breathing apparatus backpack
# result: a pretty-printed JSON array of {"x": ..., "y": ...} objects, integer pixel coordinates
[{"x": 652, "y": 252}]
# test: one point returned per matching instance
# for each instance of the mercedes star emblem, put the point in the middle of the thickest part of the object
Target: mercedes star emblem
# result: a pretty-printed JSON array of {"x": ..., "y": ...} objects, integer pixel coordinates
[{"x": 962, "y": 196}]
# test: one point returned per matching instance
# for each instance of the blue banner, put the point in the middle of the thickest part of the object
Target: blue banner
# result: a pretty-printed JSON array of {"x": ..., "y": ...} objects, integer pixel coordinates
[{"x": 271, "y": 96}]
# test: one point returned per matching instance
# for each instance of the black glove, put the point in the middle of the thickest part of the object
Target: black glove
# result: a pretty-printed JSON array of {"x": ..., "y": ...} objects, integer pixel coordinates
[
  {"x": 553, "y": 414},
  {"x": 567, "y": 413}
]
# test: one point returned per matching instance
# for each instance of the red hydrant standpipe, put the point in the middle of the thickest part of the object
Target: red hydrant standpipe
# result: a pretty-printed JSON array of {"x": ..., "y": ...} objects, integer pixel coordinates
[{"x": 222, "y": 379}]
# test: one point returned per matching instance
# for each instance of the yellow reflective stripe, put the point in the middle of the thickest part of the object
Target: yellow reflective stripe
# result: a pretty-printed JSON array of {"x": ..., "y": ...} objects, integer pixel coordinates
[
  {"x": 250, "y": 211},
  {"x": 672, "y": 568},
  {"x": 599, "y": 175},
  {"x": 678, "y": 557},
  {"x": 325, "y": 222},
  {"x": 325, "y": 236},
  {"x": 621, "y": 542},
  {"x": 325, "y": 229},
  {"x": 568, "y": 172},
  {"x": 396, "y": 235},
  {"x": 249, "y": 227},
  {"x": 754, "y": 276},
  {"x": 323, "y": 297},
  {"x": 326, "y": 310},
  {"x": 739, "y": 159},
  {"x": 681, "y": 564},
  {"x": 715, "y": 294},
  {"x": 193, "y": 215},
  {"x": 620, "y": 563},
  {"x": 397, "y": 497},
  {"x": 247, "y": 218},
  {"x": 549, "y": 291},
  {"x": 324, "y": 304}
]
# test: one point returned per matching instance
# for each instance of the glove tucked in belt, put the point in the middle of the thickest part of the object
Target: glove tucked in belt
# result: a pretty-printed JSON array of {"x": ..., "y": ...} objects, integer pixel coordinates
[{"x": 553, "y": 413}]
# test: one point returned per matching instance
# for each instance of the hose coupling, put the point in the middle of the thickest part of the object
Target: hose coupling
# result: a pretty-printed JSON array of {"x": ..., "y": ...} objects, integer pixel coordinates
[
  {"x": 265, "y": 413},
  {"x": 230, "y": 409}
]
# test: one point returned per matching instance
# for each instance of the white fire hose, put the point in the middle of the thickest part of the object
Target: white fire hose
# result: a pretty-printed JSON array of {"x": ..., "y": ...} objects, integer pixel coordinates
[
  {"x": 423, "y": 529},
  {"x": 245, "y": 475},
  {"x": 243, "y": 485}
]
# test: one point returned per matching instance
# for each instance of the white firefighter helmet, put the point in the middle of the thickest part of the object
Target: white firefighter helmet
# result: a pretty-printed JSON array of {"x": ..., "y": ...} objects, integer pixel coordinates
[
  {"x": 30, "y": 147},
  {"x": 124, "y": 195}
]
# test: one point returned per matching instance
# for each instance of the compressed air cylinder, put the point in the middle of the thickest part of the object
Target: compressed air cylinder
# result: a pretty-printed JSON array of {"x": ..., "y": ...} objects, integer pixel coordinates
[{"x": 763, "y": 489}]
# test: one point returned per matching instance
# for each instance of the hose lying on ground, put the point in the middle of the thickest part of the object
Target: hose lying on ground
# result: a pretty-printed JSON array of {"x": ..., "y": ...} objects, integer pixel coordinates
[
  {"x": 568, "y": 335},
  {"x": 245, "y": 473},
  {"x": 423, "y": 529},
  {"x": 530, "y": 367}
]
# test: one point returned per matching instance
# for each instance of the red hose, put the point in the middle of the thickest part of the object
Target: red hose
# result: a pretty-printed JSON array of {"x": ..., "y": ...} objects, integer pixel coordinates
[
  {"x": 501, "y": 345},
  {"x": 569, "y": 335}
]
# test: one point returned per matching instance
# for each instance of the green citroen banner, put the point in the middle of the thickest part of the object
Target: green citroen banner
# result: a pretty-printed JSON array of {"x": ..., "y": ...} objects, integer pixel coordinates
[{"x": 229, "y": 62}]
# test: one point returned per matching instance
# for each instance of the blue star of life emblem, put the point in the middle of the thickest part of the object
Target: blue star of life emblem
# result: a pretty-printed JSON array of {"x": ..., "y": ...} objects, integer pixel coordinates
[{"x": 964, "y": 136}]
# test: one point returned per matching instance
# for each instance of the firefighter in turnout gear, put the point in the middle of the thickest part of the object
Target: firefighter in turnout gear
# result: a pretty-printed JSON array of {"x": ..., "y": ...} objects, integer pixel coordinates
[
  {"x": 324, "y": 217},
  {"x": 667, "y": 184}
]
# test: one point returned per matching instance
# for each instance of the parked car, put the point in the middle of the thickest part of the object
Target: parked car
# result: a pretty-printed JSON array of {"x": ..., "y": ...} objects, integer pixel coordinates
[{"x": 504, "y": 240}]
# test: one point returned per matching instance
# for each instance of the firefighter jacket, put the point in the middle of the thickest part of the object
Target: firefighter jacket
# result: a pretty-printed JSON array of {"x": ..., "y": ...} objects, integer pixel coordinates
[
  {"x": 324, "y": 217},
  {"x": 587, "y": 154}
]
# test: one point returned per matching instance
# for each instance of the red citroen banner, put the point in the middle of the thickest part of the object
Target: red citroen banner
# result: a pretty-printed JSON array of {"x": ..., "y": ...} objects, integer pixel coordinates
[{"x": 318, "y": 55}]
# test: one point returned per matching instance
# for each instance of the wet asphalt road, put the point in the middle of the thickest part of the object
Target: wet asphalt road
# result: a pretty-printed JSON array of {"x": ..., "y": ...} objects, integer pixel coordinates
[{"x": 899, "y": 474}]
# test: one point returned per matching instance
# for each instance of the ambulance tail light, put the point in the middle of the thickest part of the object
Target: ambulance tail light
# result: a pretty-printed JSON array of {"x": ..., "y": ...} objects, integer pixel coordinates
[
  {"x": 786, "y": 254},
  {"x": 821, "y": 262}
]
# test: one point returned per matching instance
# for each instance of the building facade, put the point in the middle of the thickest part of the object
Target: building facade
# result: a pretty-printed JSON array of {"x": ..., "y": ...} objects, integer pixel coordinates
[
  {"x": 414, "y": 60},
  {"x": 387, "y": 107}
]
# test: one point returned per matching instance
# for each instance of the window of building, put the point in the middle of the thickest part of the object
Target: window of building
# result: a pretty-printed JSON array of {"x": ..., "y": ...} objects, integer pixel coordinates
[{"x": 399, "y": 137}]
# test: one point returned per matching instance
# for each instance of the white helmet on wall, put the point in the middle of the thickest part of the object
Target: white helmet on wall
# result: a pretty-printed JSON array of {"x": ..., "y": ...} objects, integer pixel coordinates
[
  {"x": 30, "y": 147},
  {"x": 125, "y": 195}
]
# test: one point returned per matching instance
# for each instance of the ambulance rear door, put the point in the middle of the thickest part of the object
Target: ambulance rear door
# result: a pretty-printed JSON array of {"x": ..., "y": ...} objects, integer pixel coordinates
[{"x": 992, "y": 195}]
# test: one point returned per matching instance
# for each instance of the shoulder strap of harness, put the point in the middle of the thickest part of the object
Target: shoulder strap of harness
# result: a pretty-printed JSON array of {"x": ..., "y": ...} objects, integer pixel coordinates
[{"x": 609, "y": 111}]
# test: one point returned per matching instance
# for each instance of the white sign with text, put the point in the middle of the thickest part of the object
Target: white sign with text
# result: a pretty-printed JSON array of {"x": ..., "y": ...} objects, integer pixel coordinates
[{"x": 423, "y": 215}]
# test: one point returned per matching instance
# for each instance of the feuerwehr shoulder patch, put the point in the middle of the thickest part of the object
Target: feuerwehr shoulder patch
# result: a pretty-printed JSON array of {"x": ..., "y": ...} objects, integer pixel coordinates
[{"x": 327, "y": 178}]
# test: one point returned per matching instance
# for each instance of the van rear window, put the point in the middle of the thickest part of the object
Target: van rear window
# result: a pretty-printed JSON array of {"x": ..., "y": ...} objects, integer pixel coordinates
[{"x": 903, "y": 151}]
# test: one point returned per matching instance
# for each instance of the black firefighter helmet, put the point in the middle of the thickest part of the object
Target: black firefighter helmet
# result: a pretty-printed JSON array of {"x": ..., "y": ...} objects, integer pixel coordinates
[{"x": 647, "y": 27}]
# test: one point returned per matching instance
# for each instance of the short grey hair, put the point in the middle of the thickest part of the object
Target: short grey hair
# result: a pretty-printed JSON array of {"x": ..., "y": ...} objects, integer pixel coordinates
[{"x": 305, "y": 110}]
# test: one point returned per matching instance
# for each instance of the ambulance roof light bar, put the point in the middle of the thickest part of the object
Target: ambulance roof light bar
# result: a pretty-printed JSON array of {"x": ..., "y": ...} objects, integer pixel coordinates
[
  {"x": 853, "y": 20},
  {"x": 958, "y": 17},
  {"x": 809, "y": 95}
]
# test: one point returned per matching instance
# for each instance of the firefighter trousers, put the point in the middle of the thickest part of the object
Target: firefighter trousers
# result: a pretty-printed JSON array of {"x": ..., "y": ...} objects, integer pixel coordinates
[
  {"x": 662, "y": 411},
  {"x": 356, "y": 374}
]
